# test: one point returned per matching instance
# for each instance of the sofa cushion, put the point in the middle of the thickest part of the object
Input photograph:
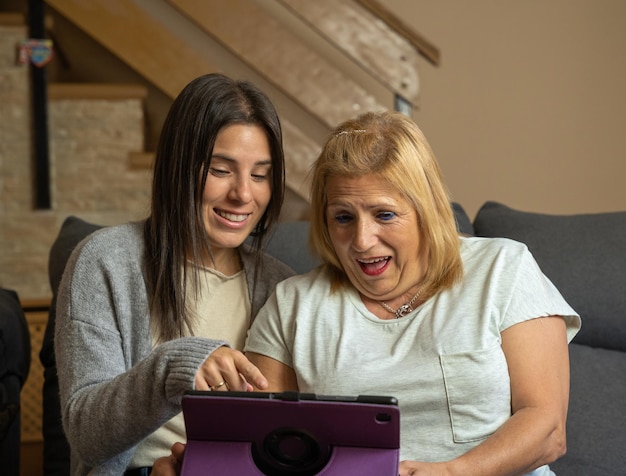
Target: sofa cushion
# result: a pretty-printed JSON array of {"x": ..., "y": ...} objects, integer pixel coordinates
[
  {"x": 73, "y": 230},
  {"x": 289, "y": 243},
  {"x": 597, "y": 414},
  {"x": 583, "y": 255},
  {"x": 463, "y": 222}
]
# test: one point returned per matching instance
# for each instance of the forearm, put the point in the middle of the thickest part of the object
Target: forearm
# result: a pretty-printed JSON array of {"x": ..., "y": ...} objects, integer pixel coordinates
[
  {"x": 280, "y": 377},
  {"x": 107, "y": 410},
  {"x": 531, "y": 438}
]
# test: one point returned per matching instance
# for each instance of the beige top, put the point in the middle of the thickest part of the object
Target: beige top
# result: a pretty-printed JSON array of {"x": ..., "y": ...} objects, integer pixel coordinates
[{"x": 222, "y": 311}]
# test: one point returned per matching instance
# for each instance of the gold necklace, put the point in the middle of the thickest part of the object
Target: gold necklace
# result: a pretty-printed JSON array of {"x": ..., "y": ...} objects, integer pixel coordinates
[{"x": 404, "y": 309}]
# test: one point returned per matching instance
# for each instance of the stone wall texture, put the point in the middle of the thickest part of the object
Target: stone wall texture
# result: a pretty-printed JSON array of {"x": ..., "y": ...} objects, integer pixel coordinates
[{"x": 90, "y": 175}]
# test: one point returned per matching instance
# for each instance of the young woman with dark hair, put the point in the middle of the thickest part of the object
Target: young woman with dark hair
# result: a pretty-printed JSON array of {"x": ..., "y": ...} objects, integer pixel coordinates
[{"x": 148, "y": 310}]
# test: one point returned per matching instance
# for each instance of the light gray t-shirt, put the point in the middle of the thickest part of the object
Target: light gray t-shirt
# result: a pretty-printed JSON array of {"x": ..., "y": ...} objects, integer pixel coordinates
[
  {"x": 230, "y": 295},
  {"x": 443, "y": 361}
]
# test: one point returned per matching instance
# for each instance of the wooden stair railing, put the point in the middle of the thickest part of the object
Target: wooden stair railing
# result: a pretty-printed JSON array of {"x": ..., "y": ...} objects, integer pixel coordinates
[
  {"x": 373, "y": 45},
  {"x": 268, "y": 47},
  {"x": 421, "y": 44}
]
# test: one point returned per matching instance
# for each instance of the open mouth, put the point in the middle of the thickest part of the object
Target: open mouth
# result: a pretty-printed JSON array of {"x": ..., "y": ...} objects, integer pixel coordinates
[
  {"x": 237, "y": 218},
  {"x": 374, "y": 266}
]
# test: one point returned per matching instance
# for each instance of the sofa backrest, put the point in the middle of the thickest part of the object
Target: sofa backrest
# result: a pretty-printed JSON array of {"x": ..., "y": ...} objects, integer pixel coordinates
[
  {"x": 583, "y": 255},
  {"x": 288, "y": 243}
]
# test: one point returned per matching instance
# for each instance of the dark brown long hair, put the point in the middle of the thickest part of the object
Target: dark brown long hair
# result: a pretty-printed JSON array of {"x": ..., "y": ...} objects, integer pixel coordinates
[{"x": 174, "y": 230}]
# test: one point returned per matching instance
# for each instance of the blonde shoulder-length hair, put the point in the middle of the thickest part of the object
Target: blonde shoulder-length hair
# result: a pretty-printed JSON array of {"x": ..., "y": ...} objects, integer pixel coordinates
[{"x": 392, "y": 147}]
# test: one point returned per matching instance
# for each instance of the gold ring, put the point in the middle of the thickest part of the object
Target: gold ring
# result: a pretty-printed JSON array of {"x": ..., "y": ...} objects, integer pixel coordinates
[{"x": 215, "y": 387}]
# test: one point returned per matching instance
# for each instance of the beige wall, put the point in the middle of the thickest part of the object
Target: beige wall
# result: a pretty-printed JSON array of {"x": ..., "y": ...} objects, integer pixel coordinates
[{"x": 527, "y": 106}]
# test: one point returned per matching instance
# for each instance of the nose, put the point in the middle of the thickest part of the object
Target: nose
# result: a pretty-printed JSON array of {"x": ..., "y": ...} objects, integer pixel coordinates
[
  {"x": 240, "y": 190},
  {"x": 364, "y": 236}
]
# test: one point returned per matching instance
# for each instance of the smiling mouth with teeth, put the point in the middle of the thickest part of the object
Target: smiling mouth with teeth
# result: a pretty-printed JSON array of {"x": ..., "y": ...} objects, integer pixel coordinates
[
  {"x": 375, "y": 265},
  {"x": 232, "y": 216}
]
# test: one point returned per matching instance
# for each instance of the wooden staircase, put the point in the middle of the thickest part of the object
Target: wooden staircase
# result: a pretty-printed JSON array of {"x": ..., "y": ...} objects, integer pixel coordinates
[
  {"x": 330, "y": 59},
  {"x": 321, "y": 62}
]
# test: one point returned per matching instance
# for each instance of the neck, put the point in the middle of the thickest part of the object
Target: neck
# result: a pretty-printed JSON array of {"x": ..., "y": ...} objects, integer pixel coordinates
[
  {"x": 376, "y": 308},
  {"x": 226, "y": 261},
  {"x": 404, "y": 308}
]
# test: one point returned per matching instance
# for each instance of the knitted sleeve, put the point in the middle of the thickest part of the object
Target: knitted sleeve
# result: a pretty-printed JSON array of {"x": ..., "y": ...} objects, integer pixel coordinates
[{"x": 114, "y": 388}]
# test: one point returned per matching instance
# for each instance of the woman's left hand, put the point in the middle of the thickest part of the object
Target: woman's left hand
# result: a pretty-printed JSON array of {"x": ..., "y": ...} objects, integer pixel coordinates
[{"x": 170, "y": 465}]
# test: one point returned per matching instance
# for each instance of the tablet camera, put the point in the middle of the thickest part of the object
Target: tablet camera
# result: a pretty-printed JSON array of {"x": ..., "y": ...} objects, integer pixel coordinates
[{"x": 290, "y": 451}]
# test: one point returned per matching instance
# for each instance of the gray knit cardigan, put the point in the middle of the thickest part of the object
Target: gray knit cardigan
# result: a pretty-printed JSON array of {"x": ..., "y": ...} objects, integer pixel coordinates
[{"x": 115, "y": 388}]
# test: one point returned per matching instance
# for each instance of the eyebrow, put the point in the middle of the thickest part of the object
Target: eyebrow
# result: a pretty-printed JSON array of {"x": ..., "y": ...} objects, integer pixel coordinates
[
  {"x": 230, "y": 159},
  {"x": 377, "y": 204}
]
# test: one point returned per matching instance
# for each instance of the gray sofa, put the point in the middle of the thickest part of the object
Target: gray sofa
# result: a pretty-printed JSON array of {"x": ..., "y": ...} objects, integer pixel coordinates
[{"x": 584, "y": 255}]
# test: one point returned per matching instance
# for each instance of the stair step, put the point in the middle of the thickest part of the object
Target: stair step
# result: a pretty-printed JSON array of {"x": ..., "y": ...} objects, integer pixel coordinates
[
  {"x": 19, "y": 19},
  {"x": 141, "y": 160},
  {"x": 114, "y": 91},
  {"x": 12, "y": 19}
]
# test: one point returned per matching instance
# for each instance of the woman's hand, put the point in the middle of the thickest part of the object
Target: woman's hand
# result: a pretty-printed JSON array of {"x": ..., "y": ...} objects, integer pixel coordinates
[
  {"x": 170, "y": 465},
  {"x": 229, "y": 369}
]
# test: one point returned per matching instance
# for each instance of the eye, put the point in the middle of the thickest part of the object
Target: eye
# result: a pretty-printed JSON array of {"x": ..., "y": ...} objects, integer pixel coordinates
[
  {"x": 343, "y": 218},
  {"x": 262, "y": 173},
  {"x": 218, "y": 172},
  {"x": 385, "y": 216}
]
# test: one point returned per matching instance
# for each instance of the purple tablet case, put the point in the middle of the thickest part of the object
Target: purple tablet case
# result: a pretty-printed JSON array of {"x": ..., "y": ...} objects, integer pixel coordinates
[{"x": 285, "y": 434}]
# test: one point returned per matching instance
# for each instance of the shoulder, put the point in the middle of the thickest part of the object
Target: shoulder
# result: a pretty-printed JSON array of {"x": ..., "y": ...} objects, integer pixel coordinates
[
  {"x": 131, "y": 232},
  {"x": 109, "y": 262},
  {"x": 496, "y": 261},
  {"x": 315, "y": 281},
  {"x": 478, "y": 248},
  {"x": 126, "y": 238},
  {"x": 301, "y": 295},
  {"x": 111, "y": 246}
]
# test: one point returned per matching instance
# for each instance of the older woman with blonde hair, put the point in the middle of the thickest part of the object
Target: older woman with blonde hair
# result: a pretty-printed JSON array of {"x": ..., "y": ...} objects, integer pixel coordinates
[
  {"x": 466, "y": 332},
  {"x": 398, "y": 141}
]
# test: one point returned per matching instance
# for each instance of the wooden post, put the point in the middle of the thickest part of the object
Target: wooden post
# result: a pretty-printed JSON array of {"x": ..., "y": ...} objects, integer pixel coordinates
[{"x": 36, "y": 30}]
